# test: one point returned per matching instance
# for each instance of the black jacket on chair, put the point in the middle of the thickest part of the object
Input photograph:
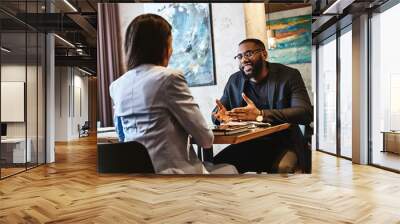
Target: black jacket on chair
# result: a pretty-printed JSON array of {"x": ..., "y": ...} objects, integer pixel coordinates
[{"x": 288, "y": 102}]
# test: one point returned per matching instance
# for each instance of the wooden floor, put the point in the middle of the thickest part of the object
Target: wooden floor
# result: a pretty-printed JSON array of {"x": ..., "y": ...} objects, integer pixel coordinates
[
  {"x": 70, "y": 191},
  {"x": 10, "y": 171}
]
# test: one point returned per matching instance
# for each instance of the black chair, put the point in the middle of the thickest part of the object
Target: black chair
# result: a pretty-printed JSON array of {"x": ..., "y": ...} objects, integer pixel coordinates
[
  {"x": 84, "y": 130},
  {"x": 124, "y": 157},
  {"x": 307, "y": 132}
]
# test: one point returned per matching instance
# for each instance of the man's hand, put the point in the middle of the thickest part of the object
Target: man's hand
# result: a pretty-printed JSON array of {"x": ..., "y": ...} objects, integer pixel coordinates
[
  {"x": 221, "y": 114},
  {"x": 247, "y": 113}
]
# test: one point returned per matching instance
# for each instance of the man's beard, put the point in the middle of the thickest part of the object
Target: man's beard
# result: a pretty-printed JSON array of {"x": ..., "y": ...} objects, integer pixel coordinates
[{"x": 255, "y": 71}]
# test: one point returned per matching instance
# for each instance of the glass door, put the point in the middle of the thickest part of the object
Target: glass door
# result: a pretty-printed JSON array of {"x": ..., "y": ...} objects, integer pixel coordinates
[
  {"x": 385, "y": 89},
  {"x": 346, "y": 92},
  {"x": 326, "y": 87}
]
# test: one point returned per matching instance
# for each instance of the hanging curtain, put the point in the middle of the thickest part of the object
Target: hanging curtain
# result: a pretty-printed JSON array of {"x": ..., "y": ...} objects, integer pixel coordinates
[
  {"x": 92, "y": 96},
  {"x": 109, "y": 58}
]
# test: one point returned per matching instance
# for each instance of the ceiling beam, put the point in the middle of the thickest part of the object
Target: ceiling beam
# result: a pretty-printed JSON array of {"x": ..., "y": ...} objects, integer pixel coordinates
[
  {"x": 337, "y": 7},
  {"x": 86, "y": 27}
]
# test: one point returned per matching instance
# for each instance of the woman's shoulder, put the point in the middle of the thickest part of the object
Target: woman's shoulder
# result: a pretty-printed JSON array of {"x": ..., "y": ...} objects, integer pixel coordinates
[
  {"x": 168, "y": 76},
  {"x": 156, "y": 71},
  {"x": 121, "y": 80},
  {"x": 171, "y": 71},
  {"x": 151, "y": 73}
]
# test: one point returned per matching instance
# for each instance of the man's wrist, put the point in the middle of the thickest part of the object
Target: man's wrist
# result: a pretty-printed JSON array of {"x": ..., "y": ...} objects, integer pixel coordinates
[{"x": 260, "y": 116}]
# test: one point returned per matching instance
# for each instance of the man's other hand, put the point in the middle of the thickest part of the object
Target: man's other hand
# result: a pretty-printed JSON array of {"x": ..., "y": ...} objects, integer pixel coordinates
[
  {"x": 247, "y": 113},
  {"x": 221, "y": 115}
]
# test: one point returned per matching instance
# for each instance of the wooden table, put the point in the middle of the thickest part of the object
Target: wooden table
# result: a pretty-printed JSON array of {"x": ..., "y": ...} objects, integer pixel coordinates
[
  {"x": 391, "y": 141},
  {"x": 207, "y": 154},
  {"x": 251, "y": 134},
  {"x": 107, "y": 137}
]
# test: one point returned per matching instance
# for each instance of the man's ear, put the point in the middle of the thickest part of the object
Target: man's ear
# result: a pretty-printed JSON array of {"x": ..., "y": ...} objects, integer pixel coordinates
[{"x": 265, "y": 54}]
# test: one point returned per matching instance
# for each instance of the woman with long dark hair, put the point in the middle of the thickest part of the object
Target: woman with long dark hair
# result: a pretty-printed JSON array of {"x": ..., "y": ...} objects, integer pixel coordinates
[{"x": 154, "y": 105}]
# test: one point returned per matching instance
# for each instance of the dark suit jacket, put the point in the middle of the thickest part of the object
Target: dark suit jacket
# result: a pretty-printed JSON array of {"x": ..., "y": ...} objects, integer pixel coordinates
[{"x": 288, "y": 103}]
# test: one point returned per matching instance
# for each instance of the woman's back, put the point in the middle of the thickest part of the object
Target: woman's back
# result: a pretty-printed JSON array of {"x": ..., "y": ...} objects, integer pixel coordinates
[{"x": 157, "y": 110}]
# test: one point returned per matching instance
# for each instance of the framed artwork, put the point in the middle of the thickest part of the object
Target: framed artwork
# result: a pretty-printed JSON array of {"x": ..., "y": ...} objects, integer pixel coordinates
[
  {"x": 193, "y": 46},
  {"x": 293, "y": 40}
]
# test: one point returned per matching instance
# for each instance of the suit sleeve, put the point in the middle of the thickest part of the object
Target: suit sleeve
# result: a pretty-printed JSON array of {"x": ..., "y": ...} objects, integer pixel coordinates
[
  {"x": 225, "y": 101},
  {"x": 181, "y": 104},
  {"x": 300, "y": 110}
]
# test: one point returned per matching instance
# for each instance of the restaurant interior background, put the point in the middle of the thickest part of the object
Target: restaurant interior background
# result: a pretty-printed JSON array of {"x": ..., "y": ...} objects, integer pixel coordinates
[{"x": 284, "y": 28}]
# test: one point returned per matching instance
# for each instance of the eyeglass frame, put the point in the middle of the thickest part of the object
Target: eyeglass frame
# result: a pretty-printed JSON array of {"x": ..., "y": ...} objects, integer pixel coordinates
[{"x": 248, "y": 54}]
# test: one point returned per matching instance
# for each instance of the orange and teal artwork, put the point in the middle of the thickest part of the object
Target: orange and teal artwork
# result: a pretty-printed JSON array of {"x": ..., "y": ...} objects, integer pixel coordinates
[{"x": 293, "y": 40}]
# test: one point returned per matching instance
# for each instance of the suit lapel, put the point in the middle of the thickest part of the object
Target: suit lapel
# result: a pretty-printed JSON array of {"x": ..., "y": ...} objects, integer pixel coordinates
[
  {"x": 271, "y": 83},
  {"x": 242, "y": 82}
]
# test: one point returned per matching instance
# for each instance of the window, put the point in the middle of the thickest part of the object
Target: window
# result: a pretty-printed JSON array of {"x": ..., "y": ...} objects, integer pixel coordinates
[
  {"x": 327, "y": 96},
  {"x": 385, "y": 89},
  {"x": 22, "y": 76},
  {"x": 346, "y": 92}
]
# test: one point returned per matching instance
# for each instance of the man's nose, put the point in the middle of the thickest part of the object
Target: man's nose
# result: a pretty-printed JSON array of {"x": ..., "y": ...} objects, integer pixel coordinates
[{"x": 244, "y": 60}]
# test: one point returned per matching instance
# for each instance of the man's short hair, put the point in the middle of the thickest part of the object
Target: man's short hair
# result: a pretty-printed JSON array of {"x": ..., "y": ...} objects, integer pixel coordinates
[
  {"x": 257, "y": 42},
  {"x": 146, "y": 40}
]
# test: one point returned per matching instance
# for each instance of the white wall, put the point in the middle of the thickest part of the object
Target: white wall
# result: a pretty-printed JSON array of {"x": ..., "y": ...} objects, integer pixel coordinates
[
  {"x": 61, "y": 103},
  {"x": 80, "y": 110},
  {"x": 33, "y": 126},
  {"x": 16, "y": 72},
  {"x": 255, "y": 21},
  {"x": 71, "y": 96}
]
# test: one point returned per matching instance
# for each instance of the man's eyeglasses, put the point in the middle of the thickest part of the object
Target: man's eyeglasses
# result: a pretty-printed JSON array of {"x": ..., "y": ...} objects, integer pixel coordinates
[{"x": 248, "y": 54}]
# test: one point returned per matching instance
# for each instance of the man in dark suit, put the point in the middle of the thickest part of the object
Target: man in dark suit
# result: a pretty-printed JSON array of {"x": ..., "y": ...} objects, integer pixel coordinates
[{"x": 266, "y": 92}]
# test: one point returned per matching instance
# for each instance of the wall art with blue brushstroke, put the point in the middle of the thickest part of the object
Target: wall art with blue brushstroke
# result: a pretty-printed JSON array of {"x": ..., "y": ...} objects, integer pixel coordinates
[{"x": 192, "y": 40}]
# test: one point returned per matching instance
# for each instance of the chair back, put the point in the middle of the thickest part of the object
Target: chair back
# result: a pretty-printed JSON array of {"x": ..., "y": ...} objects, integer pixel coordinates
[
  {"x": 307, "y": 131},
  {"x": 85, "y": 126},
  {"x": 124, "y": 157}
]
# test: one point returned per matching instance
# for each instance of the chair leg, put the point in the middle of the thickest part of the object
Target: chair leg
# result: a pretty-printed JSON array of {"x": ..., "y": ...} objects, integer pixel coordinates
[{"x": 200, "y": 152}]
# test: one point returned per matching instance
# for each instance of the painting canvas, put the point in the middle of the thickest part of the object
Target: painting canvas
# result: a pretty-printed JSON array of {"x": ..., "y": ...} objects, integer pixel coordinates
[
  {"x": 192, "y": 39},
  {"x": 293, "y": 40}
]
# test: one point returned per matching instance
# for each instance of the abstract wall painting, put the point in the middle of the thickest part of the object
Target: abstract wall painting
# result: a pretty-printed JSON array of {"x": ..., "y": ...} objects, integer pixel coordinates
[
  {"x": 192, "y": 39},
  {"x": 293, "y": 40}
]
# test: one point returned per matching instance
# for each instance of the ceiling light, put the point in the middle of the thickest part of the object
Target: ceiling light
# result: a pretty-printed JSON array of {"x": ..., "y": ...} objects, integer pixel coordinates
[
  {"x": 271, "y": 39},
  {"x": 65, "y": 41},
  {"x": 270, "y": 33},
  {"x": 5, "y": 50},
  {"x": 70, "y": 5},
  {"x": 337, "y": 7},
  {"x": 84, "y": 71}
]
